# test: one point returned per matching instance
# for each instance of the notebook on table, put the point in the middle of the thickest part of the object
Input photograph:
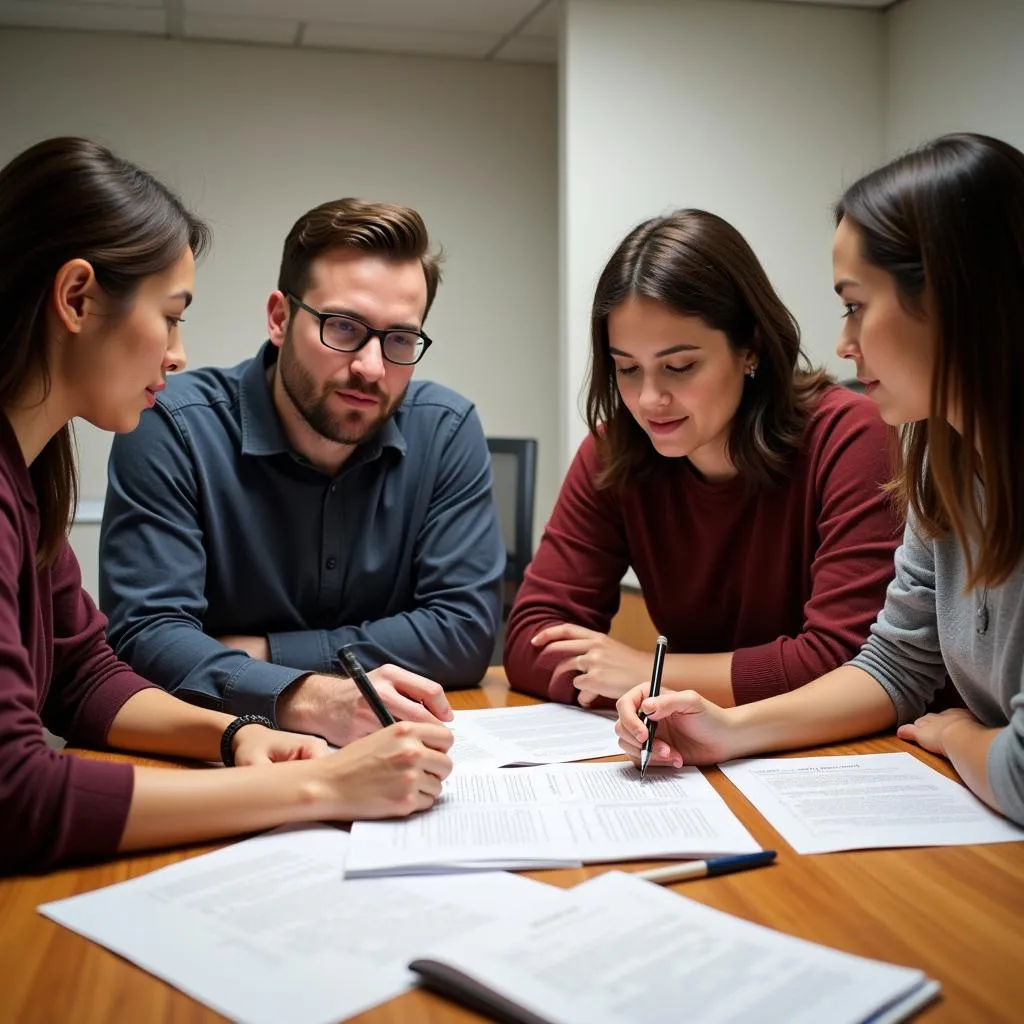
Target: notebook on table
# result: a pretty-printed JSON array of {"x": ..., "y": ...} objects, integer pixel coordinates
[{"x": 620, "y": 950}]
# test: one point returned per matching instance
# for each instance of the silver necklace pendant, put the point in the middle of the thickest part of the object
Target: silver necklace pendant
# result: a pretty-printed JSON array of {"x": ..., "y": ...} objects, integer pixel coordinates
[{"x": 981, "y": 616}]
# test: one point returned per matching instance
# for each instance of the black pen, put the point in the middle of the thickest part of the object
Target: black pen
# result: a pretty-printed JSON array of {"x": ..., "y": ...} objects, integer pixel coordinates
[
  {"x": 358, "y": 675},
  {"x": 660, "y": 646}
]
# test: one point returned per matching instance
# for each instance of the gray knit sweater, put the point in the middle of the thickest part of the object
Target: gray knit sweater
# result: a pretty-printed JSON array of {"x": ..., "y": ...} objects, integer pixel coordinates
[{"x": 929, "y": 627}]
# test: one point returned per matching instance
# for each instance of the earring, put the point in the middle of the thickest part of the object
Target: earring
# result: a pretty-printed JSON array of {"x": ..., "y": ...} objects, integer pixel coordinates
[{"x": 751, "y": 370}]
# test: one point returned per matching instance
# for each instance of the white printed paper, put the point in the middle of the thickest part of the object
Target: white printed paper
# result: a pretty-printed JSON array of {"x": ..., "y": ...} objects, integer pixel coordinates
[
  {"x": 620, "y": 951},
  {"x": 551, "y": 816},
  {"x": 536, "y": 734},
  {"x": 267, "y": 930},
  {"x": 825, "y": 804}
]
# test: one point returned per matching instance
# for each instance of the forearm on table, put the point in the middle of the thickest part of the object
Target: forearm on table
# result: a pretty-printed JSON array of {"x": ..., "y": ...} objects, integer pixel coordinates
[
  {"x": 179, "y": 657},
  {"x": 154, "y": 722},
  {"x": 709, "y": 674},
  {"x": 446, "y": 645},
  {"x": 845, "y": 703},
  {"x": 967, "y": 746},
  {"x": 170, "y": 806}
]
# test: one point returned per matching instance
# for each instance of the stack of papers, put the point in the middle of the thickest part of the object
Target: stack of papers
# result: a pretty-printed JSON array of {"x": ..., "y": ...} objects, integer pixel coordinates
[
  {"x": 267, "y": 930},
  {"x": 824, "y": 804},
  {"x": 618, "y": 950},
  {"x": 538, "y": 734},
  {"x": 553, "y": 816}
]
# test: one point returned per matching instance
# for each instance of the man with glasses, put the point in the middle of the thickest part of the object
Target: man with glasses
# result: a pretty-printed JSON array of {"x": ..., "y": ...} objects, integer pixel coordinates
[{"x": 263, "y": 516}]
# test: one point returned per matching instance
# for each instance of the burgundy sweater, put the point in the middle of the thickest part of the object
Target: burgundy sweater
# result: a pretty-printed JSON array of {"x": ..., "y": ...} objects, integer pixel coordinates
[
  {"x": 55, "y": 668},
  {"x": 789, "y": 578}
]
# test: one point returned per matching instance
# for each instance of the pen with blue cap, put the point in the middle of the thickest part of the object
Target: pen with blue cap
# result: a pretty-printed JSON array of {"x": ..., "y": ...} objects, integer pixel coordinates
[
  {"x": 706, "y": 868},
  {"x": 660, "y": 647}
]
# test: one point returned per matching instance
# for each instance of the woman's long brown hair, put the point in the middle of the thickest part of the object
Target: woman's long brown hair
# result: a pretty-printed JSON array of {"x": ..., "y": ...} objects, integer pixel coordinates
[
  {"x": 947, "y": 222},
  {"x": 697, "y": 264},
  {"x": 63, "y": 199}
]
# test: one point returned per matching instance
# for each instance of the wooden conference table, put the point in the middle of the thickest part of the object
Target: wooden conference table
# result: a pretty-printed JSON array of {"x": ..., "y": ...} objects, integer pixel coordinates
[{"x": 957, "y": 913}]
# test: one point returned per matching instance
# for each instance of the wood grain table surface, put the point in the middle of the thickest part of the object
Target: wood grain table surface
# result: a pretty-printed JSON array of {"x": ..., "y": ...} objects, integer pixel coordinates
[{"x": 956, "y": 913}]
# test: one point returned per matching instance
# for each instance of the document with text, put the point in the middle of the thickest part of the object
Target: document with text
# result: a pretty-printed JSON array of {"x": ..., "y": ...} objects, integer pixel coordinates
[
  {"x": 268, "y": 930},
  {"x": 553, "y": 816},
  {"x": 537, "y": 734},
  {"x": 825, "y": 804},
  {"x": 622, "y": 951}
]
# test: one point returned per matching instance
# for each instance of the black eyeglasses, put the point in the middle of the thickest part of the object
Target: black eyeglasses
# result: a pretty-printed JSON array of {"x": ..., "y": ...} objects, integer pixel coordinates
[{"x": 345, "y": 333}]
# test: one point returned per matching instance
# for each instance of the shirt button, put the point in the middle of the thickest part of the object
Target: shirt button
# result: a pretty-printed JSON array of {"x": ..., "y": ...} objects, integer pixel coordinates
[{"x": 331, "y": 563}]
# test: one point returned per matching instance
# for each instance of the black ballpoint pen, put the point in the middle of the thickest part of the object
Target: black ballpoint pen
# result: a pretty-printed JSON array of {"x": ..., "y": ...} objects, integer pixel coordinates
[
  {"x": 660, "y": 646},
  {"x": 358, "y": 675}
]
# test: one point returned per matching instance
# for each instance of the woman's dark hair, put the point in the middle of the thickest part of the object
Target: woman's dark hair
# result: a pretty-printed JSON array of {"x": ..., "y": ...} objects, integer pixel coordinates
[
  {"x": 63, "y": 199},
  {"x": 947, "y": 222},
  {"x": 699, "y": 265}
]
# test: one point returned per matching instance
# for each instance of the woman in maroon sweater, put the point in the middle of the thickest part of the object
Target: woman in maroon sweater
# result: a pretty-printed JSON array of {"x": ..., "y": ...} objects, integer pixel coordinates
[
  {"x": 744, "y": 490},
  {"x": 96, "y": 269}
]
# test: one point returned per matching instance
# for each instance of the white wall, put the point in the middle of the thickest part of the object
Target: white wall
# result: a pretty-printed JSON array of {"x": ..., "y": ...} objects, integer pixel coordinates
[
  {"x": 252, "y": 137},
  {"x": 758, "y": 112},
  {"x": 955, "y": 66}
]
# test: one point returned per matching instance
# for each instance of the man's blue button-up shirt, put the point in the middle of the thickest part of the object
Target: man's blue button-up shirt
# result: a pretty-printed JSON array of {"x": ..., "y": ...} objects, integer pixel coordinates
[{"x": 214, "y": 526}]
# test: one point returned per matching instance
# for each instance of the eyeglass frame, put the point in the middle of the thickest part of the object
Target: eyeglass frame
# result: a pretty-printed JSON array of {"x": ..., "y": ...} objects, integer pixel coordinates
[{"x": 371, "y": 332}]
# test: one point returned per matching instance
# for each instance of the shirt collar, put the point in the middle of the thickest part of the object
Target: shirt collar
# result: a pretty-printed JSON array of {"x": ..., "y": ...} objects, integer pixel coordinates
[{"x": 262, "y": 433}]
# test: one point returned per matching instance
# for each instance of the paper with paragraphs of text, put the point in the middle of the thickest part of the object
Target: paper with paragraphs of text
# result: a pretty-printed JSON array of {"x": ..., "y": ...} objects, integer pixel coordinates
[
  {"x": 827, "y": 804},
  {"x": 536, "y": 734},
  {"x": 553, "y": 816},
  {"x": 268, "y": 930},
  {"x": 623, "y": 951}
]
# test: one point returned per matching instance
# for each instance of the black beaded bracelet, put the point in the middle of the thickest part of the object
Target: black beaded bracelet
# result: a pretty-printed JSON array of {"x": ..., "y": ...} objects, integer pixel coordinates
[{"x": 227, "y": 753}]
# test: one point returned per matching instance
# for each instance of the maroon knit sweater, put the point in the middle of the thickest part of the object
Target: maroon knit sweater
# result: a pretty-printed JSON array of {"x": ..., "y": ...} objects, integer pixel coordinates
[
  {"x": 789, "y": 578},
  {"x": 55, "y": 668}
]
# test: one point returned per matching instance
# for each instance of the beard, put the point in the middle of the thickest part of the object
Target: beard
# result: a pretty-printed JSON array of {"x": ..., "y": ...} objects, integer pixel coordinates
[{"x": 350, "y": 427}]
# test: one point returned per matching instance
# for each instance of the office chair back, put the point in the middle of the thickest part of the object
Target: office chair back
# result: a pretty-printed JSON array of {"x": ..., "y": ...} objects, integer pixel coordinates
[{"x": 514, "y": 464}]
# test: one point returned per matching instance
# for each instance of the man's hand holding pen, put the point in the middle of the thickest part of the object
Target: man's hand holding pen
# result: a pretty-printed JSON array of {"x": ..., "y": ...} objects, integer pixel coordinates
[{"x": 333, "y": 707}]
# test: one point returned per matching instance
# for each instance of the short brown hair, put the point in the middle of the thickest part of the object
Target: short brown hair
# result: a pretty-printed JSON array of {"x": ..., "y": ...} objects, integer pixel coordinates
[
  {"x": 385, "y": 229},
  {"x": 697, "y": 264},
  {"x": 947, "y": 223},
  {"x": 63, "y": 199}
]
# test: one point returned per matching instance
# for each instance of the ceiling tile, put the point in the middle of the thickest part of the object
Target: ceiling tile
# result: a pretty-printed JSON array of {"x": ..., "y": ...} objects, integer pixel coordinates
[
  {"x": 546, "y": 22},
  {"x": 485, "y": 16},
  {"x": 243, "y": 30},
  {"x": 101, "y": 3},
  {"x": 29, "y": 14},
  {"x": 531, "y": 49},
  {"x": 846, "y": 3},
  {"x": 363, "y": 37}
]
